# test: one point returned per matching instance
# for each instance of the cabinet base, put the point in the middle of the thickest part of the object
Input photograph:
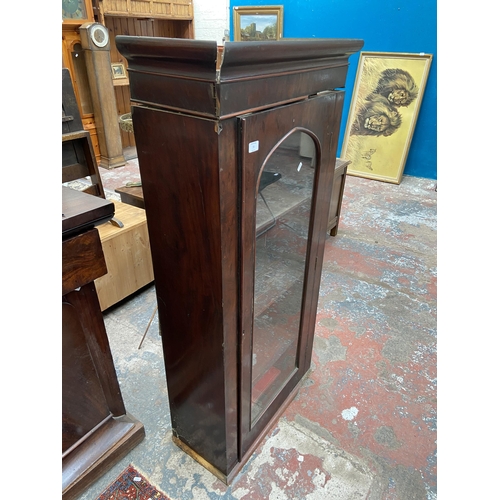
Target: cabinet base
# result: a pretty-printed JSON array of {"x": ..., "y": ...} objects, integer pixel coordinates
[
  {"x": 189, "y": 451},
  {"x": 228, "y": 478},
  {"x": 98, "y": 453}
]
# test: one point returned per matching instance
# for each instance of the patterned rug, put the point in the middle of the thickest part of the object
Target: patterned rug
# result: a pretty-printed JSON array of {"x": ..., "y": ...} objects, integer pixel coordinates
[{"x": 132, "y": 485}]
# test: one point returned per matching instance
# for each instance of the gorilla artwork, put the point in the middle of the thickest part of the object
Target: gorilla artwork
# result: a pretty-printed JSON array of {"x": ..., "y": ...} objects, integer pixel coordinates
[
  {"x": 397, "y": 86},
  {"x": 379, "y": 115},
  {"x": 376, "y": 117}
]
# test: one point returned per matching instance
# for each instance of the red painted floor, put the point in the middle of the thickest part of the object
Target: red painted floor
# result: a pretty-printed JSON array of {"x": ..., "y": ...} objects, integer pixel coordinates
[{"x": 363, "y": 424}]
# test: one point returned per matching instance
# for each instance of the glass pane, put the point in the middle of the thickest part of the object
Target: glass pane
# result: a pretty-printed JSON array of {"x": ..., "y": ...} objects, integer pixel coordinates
[{"x": 282, "y": 228}]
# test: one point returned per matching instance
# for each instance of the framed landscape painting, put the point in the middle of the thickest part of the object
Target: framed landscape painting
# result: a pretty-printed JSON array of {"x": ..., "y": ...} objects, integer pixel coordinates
[
  {"x": 258, "y": 23},
  {"x": 386, "y": 100}
]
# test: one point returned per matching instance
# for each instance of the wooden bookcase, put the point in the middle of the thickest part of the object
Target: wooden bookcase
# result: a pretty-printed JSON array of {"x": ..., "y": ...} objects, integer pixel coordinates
[{"x": 237, "y": 222}]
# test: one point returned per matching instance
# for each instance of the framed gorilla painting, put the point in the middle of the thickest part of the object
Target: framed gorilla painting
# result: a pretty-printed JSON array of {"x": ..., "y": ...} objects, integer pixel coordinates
[{"x": 384, "y": 108}]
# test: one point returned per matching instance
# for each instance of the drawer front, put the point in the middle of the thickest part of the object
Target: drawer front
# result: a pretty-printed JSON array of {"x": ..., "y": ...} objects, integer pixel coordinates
[{"x": 82, "y": 260}]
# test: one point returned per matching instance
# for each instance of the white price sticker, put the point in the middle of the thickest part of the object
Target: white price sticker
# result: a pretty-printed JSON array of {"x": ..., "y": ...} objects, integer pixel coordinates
[{"x": 253, "y": 146}]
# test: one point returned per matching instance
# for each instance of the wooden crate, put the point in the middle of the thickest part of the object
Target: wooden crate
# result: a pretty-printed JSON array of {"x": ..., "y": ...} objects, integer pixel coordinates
[
  {"x": 127, "y": 253},
  {"x": 156, "y": 9}
]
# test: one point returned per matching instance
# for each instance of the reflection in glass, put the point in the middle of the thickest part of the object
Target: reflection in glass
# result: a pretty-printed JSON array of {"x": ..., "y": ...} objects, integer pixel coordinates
[{"x": 284, "y": 200}]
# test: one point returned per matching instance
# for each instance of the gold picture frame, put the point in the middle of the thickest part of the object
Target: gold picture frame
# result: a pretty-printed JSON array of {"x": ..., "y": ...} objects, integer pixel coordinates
[
  {"x": 386, "y": 100},
  {"x": 258, "y": 23},
  {"x": 118, "y": 71}
]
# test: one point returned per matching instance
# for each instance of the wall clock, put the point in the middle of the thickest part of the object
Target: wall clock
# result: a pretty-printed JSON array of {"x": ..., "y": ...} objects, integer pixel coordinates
[
  {"x": 74, "y": 9},
  {"x": 99, "y": 35}
]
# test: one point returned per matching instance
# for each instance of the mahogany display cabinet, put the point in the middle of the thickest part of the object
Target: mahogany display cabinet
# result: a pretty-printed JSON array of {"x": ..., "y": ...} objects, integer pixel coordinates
[{"x": 237, "y": 221}]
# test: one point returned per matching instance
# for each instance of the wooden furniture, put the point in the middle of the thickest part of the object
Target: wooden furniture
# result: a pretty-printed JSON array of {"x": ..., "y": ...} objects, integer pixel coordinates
[
  {"x": 96, "y": 47},
  {"x": 97, "y": 431},
  {"x": 237, "y": 312},
  {"x": 154, "y": 9},
  {"x": 74, "y": 14},
  {"x": 78, "y": 161},
  {"x": 159, "y": 18},
  {"x": 128, "y": 256},
  {"x": 164, "y": 18},
  {"x": 337, "y": 195},
  {"x": 131, "y": 195},
  {"x": 78, "y": 158},
  {"x": 125, "y": 239}
]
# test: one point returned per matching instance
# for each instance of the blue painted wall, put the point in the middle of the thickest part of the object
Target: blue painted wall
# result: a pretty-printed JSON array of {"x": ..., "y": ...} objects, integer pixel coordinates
[{"x": 385, "y": 26}]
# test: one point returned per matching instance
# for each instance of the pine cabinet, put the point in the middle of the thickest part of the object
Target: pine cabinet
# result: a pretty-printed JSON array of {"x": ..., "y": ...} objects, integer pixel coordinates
[{"x": 237, "y": 220}]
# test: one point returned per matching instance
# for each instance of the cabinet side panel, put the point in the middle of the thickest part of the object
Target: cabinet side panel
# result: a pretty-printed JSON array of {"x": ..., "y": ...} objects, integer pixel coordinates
[
  {"x": 84, "y": 405},
  {"x": 229, "y": 185},
  {"x": 179, "y": 172}
]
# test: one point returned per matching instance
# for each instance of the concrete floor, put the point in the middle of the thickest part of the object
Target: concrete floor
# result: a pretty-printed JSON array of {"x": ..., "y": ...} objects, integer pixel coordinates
[{"x": 363, "y": 425}]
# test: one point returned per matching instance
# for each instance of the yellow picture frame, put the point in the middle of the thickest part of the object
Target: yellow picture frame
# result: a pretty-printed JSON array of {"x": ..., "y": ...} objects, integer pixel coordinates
[
  {"x": 386, "y": 100},
  {"x": 258, "y": 23}
]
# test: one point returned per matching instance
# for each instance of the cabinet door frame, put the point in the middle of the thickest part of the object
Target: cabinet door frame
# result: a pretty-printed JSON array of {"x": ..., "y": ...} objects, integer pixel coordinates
[{"x": 318, "y": 116}]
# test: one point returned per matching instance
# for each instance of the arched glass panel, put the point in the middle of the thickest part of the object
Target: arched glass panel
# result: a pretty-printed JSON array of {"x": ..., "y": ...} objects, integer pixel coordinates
[{"x": 283, "y": 206}]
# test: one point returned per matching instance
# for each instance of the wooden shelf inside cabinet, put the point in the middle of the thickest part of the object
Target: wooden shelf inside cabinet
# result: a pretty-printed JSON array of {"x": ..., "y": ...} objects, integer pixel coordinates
[{"x": 237, "y": 221}]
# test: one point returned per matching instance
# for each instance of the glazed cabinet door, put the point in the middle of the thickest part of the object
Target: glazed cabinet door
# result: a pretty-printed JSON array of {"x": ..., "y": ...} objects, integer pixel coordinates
[{"x": 284, "y": 203}]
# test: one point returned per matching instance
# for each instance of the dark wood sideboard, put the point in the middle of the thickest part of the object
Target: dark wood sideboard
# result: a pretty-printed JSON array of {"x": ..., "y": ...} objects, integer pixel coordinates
[
  {"x": 96, "y": 429},
  {"x": 237, "y": 220}
]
